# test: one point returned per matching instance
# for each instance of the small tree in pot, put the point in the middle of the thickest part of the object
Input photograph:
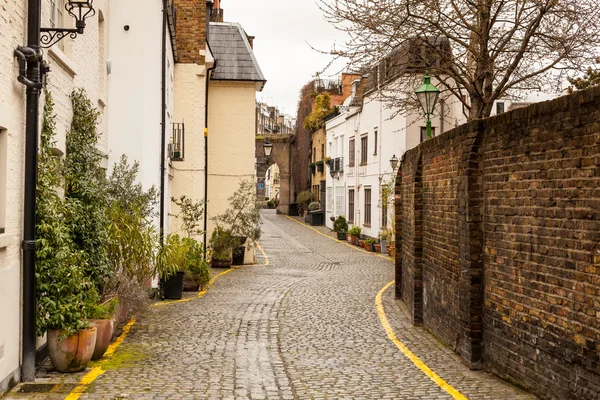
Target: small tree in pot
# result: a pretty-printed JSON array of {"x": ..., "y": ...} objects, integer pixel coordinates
[
  {"x": 239, "y": 223},
  {"x": 341, "y": 227}
]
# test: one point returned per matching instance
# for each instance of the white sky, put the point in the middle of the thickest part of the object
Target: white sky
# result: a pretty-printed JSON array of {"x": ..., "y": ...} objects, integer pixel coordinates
[{"x": 282, "y": 29}]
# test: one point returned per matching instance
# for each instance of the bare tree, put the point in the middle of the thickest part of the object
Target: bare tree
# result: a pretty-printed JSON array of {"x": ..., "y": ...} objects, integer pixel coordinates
[{"x": 494, "y": 48}]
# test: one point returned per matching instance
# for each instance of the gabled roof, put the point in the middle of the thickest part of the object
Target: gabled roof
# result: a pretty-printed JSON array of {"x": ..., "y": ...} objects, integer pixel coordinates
[{"x": 234, "y": 56}]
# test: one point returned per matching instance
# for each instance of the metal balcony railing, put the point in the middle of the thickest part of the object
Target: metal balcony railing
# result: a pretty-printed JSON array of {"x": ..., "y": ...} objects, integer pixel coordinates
[{"x": 177, "y": 144}]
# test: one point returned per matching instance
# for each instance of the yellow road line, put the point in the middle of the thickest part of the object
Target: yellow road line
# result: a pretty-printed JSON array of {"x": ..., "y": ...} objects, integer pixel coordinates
[
  {"x": 263, "y": 253},
  {"x": 409, "y": 354},
  {"x": 97, "y": 370},
  {"x": 340, "y": 241}
]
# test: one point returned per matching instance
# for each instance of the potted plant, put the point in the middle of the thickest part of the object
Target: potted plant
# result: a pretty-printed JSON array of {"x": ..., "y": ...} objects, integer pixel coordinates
[
  {"x": 196, "y": 271},
  {"x": 100, "y": 314},
  {"x": 377, "y": 247},
  {"x": 354, "y": 234},
  {"x": 61, "y": 283},
  {"x": 171, "y": 259},
  {"x": 384, "y": 237},
  {"x": 238, "y": 227},
  {"x": 391, "y": 249},
  {"x": 320, "y": 165},
  {"x": 361, "y": 243},
  {"x": 370, "y": 244},
  {"x": 341, "y": 227},
  {"x": 304, "y": 199}
]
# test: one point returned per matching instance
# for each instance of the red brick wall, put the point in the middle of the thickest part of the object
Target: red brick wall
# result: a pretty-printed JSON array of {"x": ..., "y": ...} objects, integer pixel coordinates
[
  {"x": 191, "y": 30},
  {"x": 511, "y": 243}
]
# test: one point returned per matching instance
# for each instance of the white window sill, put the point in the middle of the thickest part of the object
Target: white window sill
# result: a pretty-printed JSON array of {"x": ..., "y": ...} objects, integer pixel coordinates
[
  {"x": 8, "y": 240},
  {"x": 63, "y": 60}
]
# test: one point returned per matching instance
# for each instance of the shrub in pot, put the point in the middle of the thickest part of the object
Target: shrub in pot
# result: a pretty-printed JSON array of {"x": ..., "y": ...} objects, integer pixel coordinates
[
  {"x": 304, "y": 199},
  {"x": 384, "y": 236},
  {"x": 370, "y": 244},
  {"x": 170, "y": 262},
  {"x": 100, "y": 315},
  {"x": 238, "y": 224},
  {"x": 341, "y": 227},
  {"x": 61, "y": 283},
  {"x": 354, "y": 234},
  {"x": 196, "y": 270}
]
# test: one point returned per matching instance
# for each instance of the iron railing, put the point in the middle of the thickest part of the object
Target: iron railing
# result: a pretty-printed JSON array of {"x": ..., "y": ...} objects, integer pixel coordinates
[{"x": 177, "y": 144}]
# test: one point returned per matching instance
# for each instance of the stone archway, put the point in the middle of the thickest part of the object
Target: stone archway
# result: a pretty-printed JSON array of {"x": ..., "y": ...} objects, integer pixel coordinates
[{"x": 281, "y": 155}]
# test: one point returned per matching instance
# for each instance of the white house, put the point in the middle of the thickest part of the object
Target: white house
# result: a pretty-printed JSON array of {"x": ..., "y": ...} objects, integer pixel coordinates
[{"x": 362, "y": 139}]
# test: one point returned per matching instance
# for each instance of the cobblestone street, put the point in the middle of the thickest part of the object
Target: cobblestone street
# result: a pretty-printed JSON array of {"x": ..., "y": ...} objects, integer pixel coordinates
[{"x": 304, "y": 326}]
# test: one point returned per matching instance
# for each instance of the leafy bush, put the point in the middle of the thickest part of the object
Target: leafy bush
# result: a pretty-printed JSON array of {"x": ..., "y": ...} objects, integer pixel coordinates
[
  {"x": 385, "y": 234},
  {"x": 355, "y": 231},
  {"x": 270, "y": 204},
  {"x": 96, "y": 309},
  {"x": 221, "y": 243},
  {"x": 370, "y": 241},
  {"x": 195, "y": 266},
  {"x": 304, "y": 199},
  {"x": 123, "y": 189},
  {"x": 191, "y": 214},
  {"x": 61, "y": 284},
  {"x": 85, "y": 190},
  {"x": 314, "y": 206},
  {"x": 316, "y": 120},
  {"x": 340, "y": 224}
]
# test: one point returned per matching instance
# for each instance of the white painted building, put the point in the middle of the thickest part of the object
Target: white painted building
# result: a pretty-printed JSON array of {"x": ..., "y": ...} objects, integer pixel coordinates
[
  {"x": 135, "y": 90},
  {"x": 364, "y": 136}
]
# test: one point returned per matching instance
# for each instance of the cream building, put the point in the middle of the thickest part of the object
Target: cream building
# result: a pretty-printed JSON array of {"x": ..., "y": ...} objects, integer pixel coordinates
[{"x": 74, "y": 63}]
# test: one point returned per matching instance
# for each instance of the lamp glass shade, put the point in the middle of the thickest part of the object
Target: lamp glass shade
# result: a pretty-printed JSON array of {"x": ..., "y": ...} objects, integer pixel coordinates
[
  {"x": 394, "y": 162},
  {"x": 428, "y": 95},
  {"x": 268, "y": 148},
  {"x": 81, "y": 3}
]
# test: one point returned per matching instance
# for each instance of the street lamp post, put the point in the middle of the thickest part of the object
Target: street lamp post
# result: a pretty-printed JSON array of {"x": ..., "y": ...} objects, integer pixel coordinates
[
  {"x": 428, "y": 96},
  {"x": 32, "y": 69}
]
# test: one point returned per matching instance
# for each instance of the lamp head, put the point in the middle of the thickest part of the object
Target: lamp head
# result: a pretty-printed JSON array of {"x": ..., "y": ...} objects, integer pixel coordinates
[{"x": 428, "y": 95}]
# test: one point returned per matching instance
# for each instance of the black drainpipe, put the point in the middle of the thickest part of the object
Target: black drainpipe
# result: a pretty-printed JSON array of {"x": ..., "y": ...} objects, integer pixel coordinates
[
  {"x": 32, "y": 56},
  {"x": 209, "y": 7},
  {"x": 164, "y": 122}
]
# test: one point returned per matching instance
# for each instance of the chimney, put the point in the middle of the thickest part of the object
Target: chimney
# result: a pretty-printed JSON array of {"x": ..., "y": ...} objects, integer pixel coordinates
[
  {"x": 209, "y": 11},
  {"x": 216, "y": 14},
  {"x": 251, "y": 41}
]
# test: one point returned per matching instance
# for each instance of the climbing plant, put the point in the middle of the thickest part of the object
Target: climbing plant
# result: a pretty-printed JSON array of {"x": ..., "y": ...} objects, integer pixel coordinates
[
  {"x": 85, "y": 185},
  {"x": 323, "y": 109},
  {"x": 61, "y": 284}
]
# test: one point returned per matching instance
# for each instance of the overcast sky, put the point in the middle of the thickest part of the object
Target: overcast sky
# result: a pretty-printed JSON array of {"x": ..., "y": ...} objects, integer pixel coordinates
[{"x": 282, "y": 29}]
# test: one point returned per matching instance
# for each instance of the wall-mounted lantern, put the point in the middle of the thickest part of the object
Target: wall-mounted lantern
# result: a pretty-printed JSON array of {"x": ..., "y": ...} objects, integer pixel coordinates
[
  {"x": 394, "y": 162},
  {"x": 78, "y": 9},
  {"x": 268, "y": 148}
]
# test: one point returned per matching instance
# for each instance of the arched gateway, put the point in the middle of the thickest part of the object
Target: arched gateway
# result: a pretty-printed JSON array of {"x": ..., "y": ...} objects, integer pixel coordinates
[{"x": 280, "y": 155}]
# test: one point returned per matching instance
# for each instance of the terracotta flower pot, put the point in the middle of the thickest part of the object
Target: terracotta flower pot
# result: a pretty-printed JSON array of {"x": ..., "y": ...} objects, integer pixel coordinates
[
  {"x": 103, "y": 336},
  {"x": 361, "y": 243},
  {"x": 73, "y": 353},
  {"x": 377, "y": 248}
]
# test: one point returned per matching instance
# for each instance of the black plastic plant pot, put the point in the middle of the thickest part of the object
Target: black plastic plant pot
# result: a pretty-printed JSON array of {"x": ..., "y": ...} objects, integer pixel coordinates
[
  {"x": 238, "y": 255},
  {"x": 341, "y": 235},
  {"x": 172, "y": 287}
]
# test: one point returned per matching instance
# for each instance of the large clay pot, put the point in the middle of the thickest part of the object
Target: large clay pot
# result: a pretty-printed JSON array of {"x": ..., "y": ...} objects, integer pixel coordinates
[
  {"x": 190, "y": 284},
  {"x": 73, "y": 353},
  {"x": 104, "y": 335}
]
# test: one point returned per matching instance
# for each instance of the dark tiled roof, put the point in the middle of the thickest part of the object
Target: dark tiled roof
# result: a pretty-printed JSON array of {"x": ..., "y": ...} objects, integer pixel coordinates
[{"x": 235, "y": 58}]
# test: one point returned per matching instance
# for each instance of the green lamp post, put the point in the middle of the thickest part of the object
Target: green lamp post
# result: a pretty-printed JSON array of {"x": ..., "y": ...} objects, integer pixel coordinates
[{"x": 428, "y": 96}]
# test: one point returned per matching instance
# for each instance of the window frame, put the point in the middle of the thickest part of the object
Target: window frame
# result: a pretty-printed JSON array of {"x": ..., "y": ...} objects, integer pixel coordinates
[
  {"x": 351, "y": 152},
  {"x": 367, "y": 217},
  {"x": 351, "y": 211},
  {"x": 375, "y": 134},
  {"x": 364, "y": 149}
]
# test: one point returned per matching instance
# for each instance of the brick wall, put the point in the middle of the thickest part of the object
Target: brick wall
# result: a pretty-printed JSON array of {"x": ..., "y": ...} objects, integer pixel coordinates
[
  {"x": 507, "y": 211},
  {"x": 191, "y": 30}
]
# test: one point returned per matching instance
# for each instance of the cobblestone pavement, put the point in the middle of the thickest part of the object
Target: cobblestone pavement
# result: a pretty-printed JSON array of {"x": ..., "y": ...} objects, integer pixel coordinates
[{"x": 303, "y": 327}]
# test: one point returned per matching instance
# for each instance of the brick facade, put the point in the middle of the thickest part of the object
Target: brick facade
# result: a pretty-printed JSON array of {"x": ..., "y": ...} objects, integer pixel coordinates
[
  {"x": 191, "y": 31},
  {"x": 498, "y": 232}
]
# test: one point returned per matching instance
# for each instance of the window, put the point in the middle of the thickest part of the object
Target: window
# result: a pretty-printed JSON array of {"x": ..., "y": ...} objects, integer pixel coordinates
[
  {"x": 351, "y": 206},
  {"x": 57, "y": 9},
  {"x": 375, "y": 151},
  {"x": 329, "y": 199},
  {"x": 3, "y": 169},
  {"x": 367, "y": 207},
  {"x": 499, "y": 107},
  {"x": 364, "y": 146},
  {"x": 322, "y": 151},
  {"x": 314, "y": 154},
  {"x": 424, "y": 133},
  {"x": 351, "y": 153},
  {"x": 316, "y": 189},
  {"x": 340, "y": 201}
]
